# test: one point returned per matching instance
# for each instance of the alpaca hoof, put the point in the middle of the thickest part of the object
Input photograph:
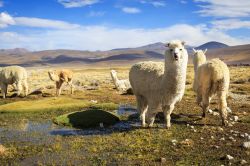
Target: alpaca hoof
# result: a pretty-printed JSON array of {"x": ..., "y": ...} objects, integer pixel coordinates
[
  {"x": 168, "y": 126},
  {"x": 203, "y": 115},
  {"x": 150, "y": 125}
]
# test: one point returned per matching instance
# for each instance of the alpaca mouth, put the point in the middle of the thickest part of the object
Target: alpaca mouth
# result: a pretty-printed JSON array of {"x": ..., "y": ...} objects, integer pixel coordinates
[{"x": 176, "y": 58}]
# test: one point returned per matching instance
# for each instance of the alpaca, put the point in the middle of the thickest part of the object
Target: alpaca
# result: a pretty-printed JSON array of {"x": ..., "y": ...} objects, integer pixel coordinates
[
  {"x": 211, "y": 78},
  {"x": 159, "y": 87},
  {"x": 120, "y": 85},
  {"x": 13, "y": 75},
  {"x": 61, "y": 76}
]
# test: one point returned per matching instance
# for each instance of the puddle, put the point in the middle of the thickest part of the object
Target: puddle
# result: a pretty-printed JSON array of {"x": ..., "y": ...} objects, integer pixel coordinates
[{"x": 39, "y": 132}]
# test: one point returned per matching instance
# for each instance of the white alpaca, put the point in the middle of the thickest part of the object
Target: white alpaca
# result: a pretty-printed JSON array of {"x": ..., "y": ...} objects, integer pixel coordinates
[
  {"x": 13, "y": 75},
  {"x": 61, "y": 76},
  {"x": 157, "y": 87},
  {"x": 211, "y": 78},
  {"x": 120, "y": 85}
]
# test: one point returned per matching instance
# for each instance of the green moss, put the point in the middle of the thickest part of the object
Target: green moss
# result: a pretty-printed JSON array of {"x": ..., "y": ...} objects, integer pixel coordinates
[
  {"x": 48, "y": 104},
  {"x": 88, "y": 118}
]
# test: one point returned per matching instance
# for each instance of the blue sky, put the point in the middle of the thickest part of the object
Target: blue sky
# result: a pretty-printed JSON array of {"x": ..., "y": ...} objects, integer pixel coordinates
[{"x": 108, "y": 24}]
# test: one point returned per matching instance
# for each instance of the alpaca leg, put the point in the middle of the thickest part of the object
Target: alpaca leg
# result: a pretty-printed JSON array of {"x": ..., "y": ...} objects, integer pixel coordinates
[
  {"x": 142, "y": 108},
  {"x": 4, "y": 90},
  {"x": 205, "y": 104},
  {"x": 71, "y": 87},
  {"x": 26, "y": 87},
  {"x": 19, "y": 88},
  {"x": 152, "y": 111},
  {"x": 58, "y": 86},
  {"x": 167, "y": 110},
  {"x": 223, "y": 107}
]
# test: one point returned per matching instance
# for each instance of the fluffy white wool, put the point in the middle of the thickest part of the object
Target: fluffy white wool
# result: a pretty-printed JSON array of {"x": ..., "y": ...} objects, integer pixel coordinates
[{"x": 157, "y": 86}]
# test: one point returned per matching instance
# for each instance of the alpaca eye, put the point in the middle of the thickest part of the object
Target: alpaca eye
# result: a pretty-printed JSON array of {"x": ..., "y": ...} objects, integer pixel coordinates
[
  {"x": 181, "y": 49},
  {"x": 171, "y": 50}
]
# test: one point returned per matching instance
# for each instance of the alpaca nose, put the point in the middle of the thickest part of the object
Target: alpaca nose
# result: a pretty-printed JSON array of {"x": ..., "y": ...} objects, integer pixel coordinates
[{"x": 175, "y": 56}]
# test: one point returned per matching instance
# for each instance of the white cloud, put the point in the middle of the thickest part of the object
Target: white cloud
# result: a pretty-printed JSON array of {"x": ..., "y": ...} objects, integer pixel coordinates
[
  {"x": 1, "y": 3},
  {"x": 228, "y": 24},
  {"x": 224, "y": 8},
  {"x": 6, "y": 20},
  {"x": 44, "y": 23},
  {"x": 77, "y": 3},
  {"x": 131, "y": 10},
  {"x": 105, "y": 38},
  {"x": 155, "y": 3},
  {"x": 183, "y": 1},
  {"x": 96, "y": 13}
]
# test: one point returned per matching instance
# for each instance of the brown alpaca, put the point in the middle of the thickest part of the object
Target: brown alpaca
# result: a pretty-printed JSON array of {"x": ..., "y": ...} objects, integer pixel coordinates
[{"x": 61, "y": 76}]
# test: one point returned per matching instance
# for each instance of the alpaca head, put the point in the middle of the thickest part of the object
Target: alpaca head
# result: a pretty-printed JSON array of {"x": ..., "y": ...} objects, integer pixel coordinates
[
  {"x": 113, "y": 72},
  {"x": 176, "y": 50},
  {"x": 53, "y": 75},
  {"x": 199, "y": 57}
]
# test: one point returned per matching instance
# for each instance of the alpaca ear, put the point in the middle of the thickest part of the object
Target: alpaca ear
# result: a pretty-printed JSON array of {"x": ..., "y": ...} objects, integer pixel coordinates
[
  {"x": 167, "y": 45},
  {"x": 205, "y": 51},
  {"x": 194, "y": 50},
  {"x": 183, "y": 43}
]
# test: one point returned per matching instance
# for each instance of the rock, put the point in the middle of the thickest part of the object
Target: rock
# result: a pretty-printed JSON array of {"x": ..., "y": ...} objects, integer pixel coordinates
[
  {"x": 91, "y": 87},
  {"x": 87, "y": 119},
  {"x": 201, "y": 138},
  {"x": 187, "y": 142},
  {"x": 235, "y": 135},
  {"x": 101, "y": 125},
  {"x": 210, "y": 111},
  {"x": 246, "y": 145},
  {"x": 95, "y": 83},
  {"x": 242, "y": 135},
  {"x": 236, "y": 118},
  {"x": 50, "y": 87},
  {"x": 231, "y": 138},
  {"x": 229, "y": 157},
  {"x": 242, "y": 162},
  {"x": 187, "y": 125},
  {"x": 163, "y": 160},
  {"x": 192, "y": 127},
  {"x": 93, "y": 101},
  {"x": 222, "y": 139},
  {"x": 220, "y": 129},
  {"x": 174, "y": 141},
  {"x": 212, "y": 137}
]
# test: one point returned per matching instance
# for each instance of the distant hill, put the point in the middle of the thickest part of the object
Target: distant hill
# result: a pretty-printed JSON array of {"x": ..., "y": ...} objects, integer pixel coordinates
[
  {"x": 14, "y": 51},
  {"x": 232, "y": 55},
  {"x": 212, "y": 45},
  {"x": 122, "y": 56}
]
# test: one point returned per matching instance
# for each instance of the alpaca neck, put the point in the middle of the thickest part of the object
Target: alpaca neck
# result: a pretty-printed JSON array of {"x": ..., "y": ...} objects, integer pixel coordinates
[
  {"x": 197, "y": 65},
  {"x": 175, "y": 75}
]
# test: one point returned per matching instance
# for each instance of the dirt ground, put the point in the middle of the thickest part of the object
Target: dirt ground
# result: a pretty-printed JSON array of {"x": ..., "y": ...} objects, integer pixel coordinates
[{"x": 28, "y": 135}]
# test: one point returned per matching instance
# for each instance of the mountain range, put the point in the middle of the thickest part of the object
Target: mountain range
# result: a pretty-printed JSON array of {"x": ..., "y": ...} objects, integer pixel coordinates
[{"x": 122, "y": 56}]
